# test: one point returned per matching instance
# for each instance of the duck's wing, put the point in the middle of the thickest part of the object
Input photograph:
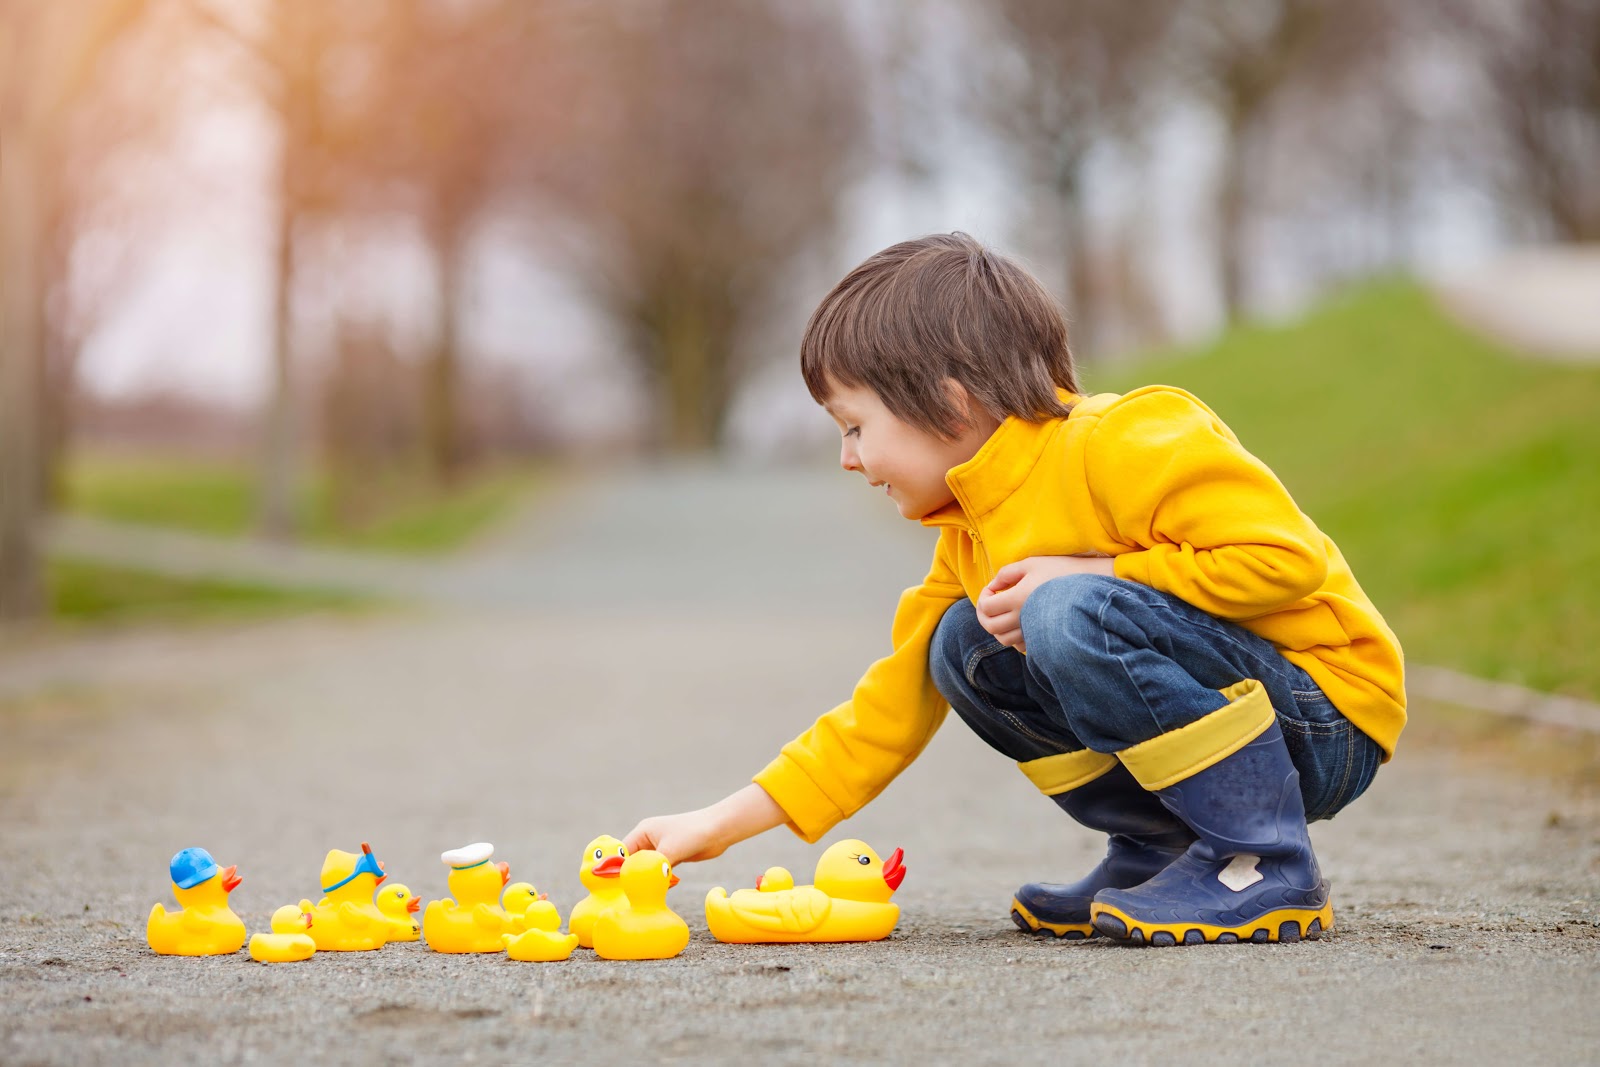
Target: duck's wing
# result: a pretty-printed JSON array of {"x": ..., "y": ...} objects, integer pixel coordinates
[
  {"x": 488, "y": 917},
  {"x": 792, "y": 911}
]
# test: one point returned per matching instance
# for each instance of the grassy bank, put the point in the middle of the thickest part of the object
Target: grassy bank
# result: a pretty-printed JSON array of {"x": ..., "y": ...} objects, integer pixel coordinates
[
  {"x": 1461, "y": 481},
  {"x": 90, "y": 593},
  {"x": 218, "y": 497}
]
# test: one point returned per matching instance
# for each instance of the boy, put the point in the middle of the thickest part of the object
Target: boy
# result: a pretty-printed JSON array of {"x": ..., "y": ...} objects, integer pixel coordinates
[{"x": 1122, "y": 599}]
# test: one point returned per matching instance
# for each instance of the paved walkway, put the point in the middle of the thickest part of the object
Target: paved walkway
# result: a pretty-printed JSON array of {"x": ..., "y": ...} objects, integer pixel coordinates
[
  {"x": 644, "y": 648},
  {"x": 1544, "y": 301}
]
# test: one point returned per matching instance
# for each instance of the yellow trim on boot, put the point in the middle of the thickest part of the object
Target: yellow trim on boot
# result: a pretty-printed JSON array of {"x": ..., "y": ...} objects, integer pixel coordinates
[
  {"x": 1169, "y": 758},
  {"x": 1144, "y": 933},
  {"x": 1071, "y": 931},
  {"x": 1067, "y": 771}
]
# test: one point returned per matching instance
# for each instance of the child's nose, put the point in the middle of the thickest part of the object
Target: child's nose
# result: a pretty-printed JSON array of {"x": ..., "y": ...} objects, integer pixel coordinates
[{"x": 848, "y": 458}]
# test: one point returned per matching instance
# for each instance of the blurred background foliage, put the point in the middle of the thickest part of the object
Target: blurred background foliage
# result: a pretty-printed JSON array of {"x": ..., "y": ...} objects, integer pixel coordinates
[{"x": 368, "y": 274}]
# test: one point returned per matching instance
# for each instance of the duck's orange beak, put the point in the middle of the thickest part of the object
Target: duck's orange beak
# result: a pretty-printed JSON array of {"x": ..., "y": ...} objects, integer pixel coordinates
[
  {"x": 414, "y": 905},
  {"x": 609, "y": 867},
  {"x": 894, "y": 871},
  {"x": 230, "y": 878},
  {"x": 543, "y": 896},
  {"x": 758, "y": 880},
  {"x": 307, "y": 914},
  {"x": 505, "y": 872},
  {"x": 672, "y": 880}
]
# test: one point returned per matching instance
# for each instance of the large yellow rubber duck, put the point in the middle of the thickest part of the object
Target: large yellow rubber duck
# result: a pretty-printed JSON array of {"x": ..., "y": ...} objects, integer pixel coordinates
[
  {"x": 346, "y": 919},
  {"x": 529, "y": 909},
  {"x": 400, "y": 906},
  {"x": 289, "y": 942},
  {"x": 478, "y": 922},
  {"x": 204, "y": 925},
  {"x": 646, "y": 929},
  {"x": 602, "y": 863},
  {"x": 849, "y": 902},
  {"x": 775, "y": 880}
]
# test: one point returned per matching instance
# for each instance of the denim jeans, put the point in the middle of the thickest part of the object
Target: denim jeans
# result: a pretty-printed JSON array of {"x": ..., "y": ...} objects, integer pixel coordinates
[{"x": 1111, "y": 663}]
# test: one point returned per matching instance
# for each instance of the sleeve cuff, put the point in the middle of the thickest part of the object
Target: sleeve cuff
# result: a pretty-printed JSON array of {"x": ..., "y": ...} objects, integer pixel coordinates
[
  {"x": 810, "y": 813},
  {"x": 1132, "y": 567}
]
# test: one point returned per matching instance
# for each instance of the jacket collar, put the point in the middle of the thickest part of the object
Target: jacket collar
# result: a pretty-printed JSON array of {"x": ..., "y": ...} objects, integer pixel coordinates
[{"x": 983, "y": 482}]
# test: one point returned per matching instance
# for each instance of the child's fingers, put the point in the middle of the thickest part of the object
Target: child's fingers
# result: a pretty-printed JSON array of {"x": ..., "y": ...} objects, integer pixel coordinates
[
  {"x": 1006, "y": 577},
  {"x": 639, "y": 837},
  {"x": 1011, "y": 638}
]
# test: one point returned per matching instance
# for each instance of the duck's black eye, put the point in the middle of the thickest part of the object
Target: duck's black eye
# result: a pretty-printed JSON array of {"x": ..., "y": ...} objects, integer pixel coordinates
[
  {"x": 599, "y": 852},
  {"x": 622, "y": 850},
  {"x": 863, "y": 860}
]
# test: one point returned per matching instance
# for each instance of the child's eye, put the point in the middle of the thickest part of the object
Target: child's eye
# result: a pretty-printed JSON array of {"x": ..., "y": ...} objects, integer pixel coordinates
[{"x": 854, "y": 431}]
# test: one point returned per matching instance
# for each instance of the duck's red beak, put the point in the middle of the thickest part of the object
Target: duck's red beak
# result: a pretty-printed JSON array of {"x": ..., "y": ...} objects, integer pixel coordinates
[
  {"x": 307, "y": 914},
  {"x": 609, "y": 867},
  {"x": 230, "y": 878},
  {"x": 414, "y": 905},
  {"x": 505, "y": 872},
  {"x": 894, "y": 871}
]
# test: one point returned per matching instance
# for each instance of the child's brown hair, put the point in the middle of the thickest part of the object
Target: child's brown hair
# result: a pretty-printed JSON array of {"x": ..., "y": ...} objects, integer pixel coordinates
[{"x": 935, "y": 308}]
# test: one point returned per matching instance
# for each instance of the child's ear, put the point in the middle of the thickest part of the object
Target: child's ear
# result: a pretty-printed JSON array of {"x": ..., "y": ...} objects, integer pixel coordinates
[{"x": 969, "y": 413}]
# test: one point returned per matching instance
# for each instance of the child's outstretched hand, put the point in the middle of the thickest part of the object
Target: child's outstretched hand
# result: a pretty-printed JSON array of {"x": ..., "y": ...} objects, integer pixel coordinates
[
  {"x": 704, "y": 834},
  {"x": 1000, "y": 603}
]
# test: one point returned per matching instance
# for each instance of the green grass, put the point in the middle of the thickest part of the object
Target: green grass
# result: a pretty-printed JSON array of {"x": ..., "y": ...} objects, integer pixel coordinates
[
  {"x": 218, "y": 497},
  {"x": 90, "y": 593},
  {"x": 1461, "y": 482}
]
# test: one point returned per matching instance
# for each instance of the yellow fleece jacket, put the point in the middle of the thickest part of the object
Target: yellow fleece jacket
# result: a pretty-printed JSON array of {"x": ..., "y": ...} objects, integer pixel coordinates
[{"x": 1154, "y": 479}]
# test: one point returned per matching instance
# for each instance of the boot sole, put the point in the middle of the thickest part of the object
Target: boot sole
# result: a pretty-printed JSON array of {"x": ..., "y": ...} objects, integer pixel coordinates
[
  {"x": 1282, "y": 924},
  {"x": 1069, "y": 931}
]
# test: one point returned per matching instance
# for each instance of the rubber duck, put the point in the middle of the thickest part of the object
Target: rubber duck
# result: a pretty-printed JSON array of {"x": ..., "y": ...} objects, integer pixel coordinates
[
  {"x": 400, "y": 906},
  {"x": 646, "y": 929},
  {"x": 204, "y": 925},
  {"x": 477, "y": 923},
  {"x": 775, "y": 880},
  {"x": 346, "y": 919},
  {"x": 289, "y": 941},
  {"x": 602, "y": 863},
  {"x": 537, "y": 945},
  {"x": 848, "y": 902},
  {"x": 529, "y": 909}
]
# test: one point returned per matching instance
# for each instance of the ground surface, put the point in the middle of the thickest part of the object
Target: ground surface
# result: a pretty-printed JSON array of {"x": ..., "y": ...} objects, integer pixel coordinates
[{"x": 643, "y": 647}]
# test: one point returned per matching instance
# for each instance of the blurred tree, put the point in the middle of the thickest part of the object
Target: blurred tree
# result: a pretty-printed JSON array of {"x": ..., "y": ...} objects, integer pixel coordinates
[
  {"x": 455, "y": 90},
  {"x": 1540, "y": 64},
  {"x": 705, "y": 148},
  {"x": 1242, "y": 55},
  {"x": 291, "y": 52},
  {"x": 1079, "y": 73},
  {"x": 49, "y": 54}
]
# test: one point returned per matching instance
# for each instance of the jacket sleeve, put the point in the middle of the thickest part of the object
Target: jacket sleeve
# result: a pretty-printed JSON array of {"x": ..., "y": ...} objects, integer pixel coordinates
[
  {"x": 1208, "y": 522},
  {"x": 852, "y": 753}
]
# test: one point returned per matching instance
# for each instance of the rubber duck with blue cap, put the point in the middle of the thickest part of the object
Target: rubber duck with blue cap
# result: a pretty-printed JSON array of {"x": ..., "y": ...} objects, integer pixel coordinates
[
  {"x": 346, "y": 919},
  {"x": 204, "y": 925},
  {"x": 471, "y": 918}
]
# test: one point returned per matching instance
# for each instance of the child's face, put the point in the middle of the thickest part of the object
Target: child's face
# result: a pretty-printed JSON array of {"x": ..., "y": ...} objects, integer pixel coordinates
[{"x": 910, "y": 464}]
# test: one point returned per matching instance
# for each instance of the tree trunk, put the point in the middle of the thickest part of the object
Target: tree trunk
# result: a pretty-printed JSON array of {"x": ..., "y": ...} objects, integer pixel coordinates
[
  {"x": 690, "y": 407},
  {"x": 441, "y": 382},
  {"x": 1231, "y": 222},
  {"x": 21, "y": 579},
  {"x": 1083, "y": 314},
  {"x": 277, "y": 517}
]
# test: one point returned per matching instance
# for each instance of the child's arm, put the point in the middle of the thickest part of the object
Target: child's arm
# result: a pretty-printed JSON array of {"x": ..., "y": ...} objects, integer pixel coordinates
[{"x": 706, "y": 833}]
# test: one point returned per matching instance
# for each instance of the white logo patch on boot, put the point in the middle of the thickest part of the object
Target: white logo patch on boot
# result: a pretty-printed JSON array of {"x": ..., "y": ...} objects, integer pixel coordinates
[{"x": 1240, "y": 873}]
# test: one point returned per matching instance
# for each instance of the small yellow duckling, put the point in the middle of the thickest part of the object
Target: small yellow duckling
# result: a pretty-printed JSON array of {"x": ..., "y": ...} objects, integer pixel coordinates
[
  {"x": 602, "y": 863},
  {"x": 204, "y": 925},
  {"x": 849, "y": 902},
  {"x": 346, "y": 919},
  {"x": 775, "y": 880},
  {"x": 646, "y": 929},
  {"x": 288, "y": 941},
  {"x": 539, "y": 946},
  {"x": 529, "y": 909},
  {"x": 477, "y": 923},
  {"x": 400, "y": 906}
]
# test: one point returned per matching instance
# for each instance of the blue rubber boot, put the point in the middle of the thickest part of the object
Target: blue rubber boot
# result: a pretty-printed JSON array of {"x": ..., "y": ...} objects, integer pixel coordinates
[
  {"x": 1250, "y": 876},
  {"x": 1145, "y": 837}
]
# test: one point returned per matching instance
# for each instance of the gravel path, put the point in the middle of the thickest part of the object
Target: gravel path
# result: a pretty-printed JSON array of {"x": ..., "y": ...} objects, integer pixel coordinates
[{"x": 612, "y": 678}]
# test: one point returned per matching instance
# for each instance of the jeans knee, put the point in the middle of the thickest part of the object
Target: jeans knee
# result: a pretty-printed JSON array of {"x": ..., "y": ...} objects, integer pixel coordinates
[
  {"x": 1061, "y": 616},
  {"x": 954, "y": 640}
]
